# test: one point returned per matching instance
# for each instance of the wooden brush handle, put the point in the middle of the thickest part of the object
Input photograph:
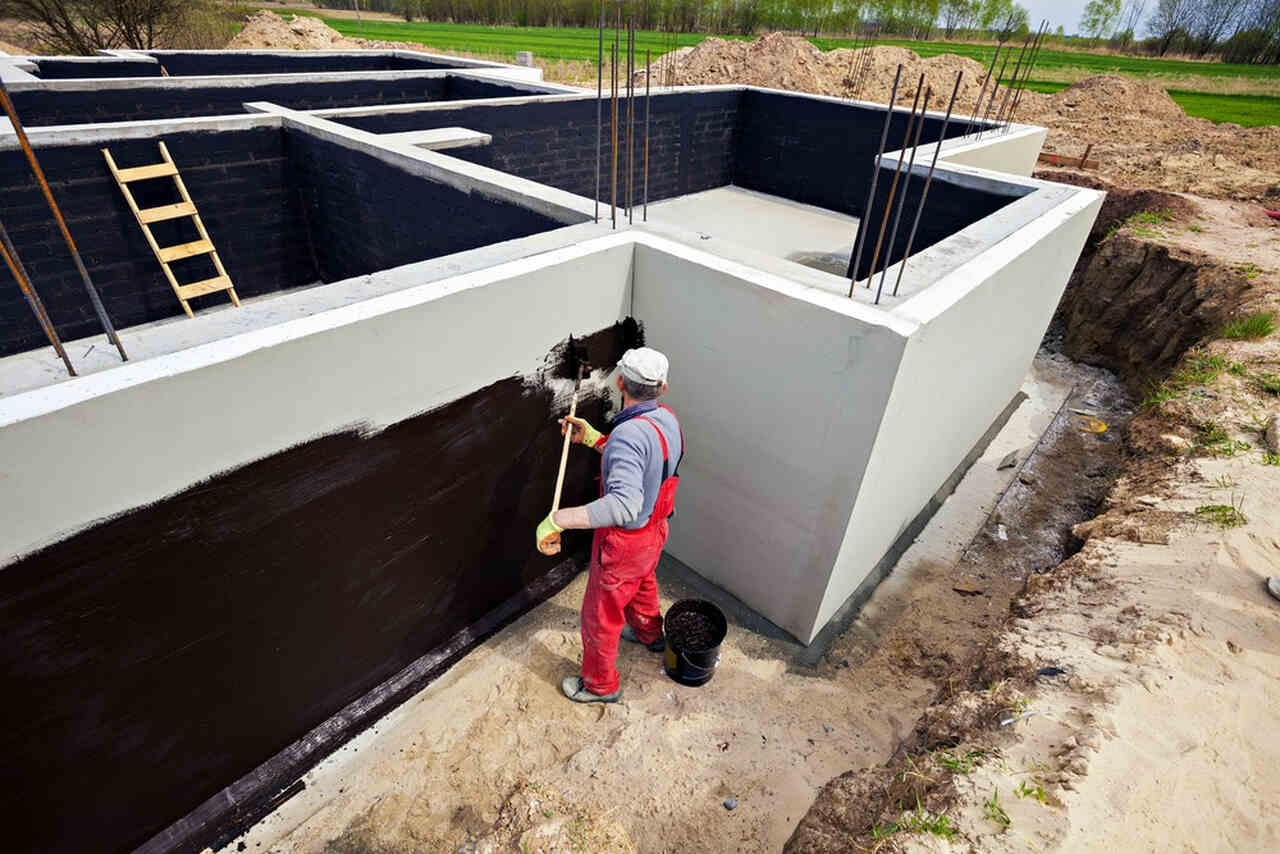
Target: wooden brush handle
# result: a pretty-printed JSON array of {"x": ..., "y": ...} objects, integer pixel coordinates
[{"x": 568, "y": 440}]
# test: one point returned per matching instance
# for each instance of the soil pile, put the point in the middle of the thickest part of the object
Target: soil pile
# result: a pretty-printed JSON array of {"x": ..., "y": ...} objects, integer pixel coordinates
[
  {"x": 1140, "y": 136},
  {"x": 267, "y": 30},
  {"x": 789, "y": 62}
]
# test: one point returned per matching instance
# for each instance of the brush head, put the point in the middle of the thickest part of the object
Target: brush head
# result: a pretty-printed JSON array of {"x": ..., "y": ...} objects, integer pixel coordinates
[{"x": 570, "y": 360}]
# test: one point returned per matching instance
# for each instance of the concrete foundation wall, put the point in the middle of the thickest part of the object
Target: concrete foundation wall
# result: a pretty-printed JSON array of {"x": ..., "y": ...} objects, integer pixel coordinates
[
  {"x": 284, "y": 209},
  {"x": 85, "y": 101},
  {"x": 68, "y": 68},
  {"x": 1012, "y": 153},
  {"x": 239, "y": 181},
  {"x": 691, "y": 146},
  {"x": 978, "y": 330},
  {"x": 304, "y": 511},
  {"x": 779, "y": 435},
  {"x": 365, "y": 214}
]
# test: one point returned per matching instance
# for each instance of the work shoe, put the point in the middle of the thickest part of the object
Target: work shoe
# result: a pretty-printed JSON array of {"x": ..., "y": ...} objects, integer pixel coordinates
[
  {"x": 629, "y": 635},
  {"x": 576, "y": 691},
  {"x": 1273, "y": 587}
]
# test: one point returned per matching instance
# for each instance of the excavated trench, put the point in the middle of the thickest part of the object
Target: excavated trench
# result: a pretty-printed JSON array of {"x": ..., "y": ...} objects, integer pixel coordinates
[{"x": 1132, "y": 309}]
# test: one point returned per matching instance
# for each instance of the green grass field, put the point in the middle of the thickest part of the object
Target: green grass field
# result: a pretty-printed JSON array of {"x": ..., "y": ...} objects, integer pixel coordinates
[{"x": 1053, "y": 70}]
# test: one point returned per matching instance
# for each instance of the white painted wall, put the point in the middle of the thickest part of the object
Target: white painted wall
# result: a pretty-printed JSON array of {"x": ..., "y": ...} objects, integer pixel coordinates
[
  {"x": 1013, "y": 153},
  {"x": 92, "y": 447},
  {"x": 780, "y": 389},
  {"x": 979, "y": 328}
]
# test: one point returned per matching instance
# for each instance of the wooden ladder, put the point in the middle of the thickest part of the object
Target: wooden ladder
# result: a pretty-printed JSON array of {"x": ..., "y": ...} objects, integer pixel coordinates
[{"x": 167, "y": 254}]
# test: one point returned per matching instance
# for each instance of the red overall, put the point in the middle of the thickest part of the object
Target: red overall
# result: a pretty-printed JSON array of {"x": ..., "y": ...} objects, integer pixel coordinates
[{"x": 622, "y": 586}]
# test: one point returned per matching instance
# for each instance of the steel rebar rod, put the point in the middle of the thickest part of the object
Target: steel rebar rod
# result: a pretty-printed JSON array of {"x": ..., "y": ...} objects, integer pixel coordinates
[
  {"x": 902, "y": 201},
  {"x": 613, "y": 130},
  {"x": 1031, "y": 64},
  {"x": 853, "y": 61},
  {"x": 986, "y": 81},
  {"x": 871, "y": 192},
  {"x": 21, "y": 133},
  {"x": 648, "y": 106},
  {"x": 631, "y": 118},
  {"x": 1019, "y": 79},
  {"x": 1017, "y": 71},
  {"x": 599, "y": 104},
  {"x": 928, "y": 182},
  {"x": 10, "y": 253},
  {"x": 893, "y": 188},
  {"x": 864, "y": 65},
  {"x": 986, "y": 116}
]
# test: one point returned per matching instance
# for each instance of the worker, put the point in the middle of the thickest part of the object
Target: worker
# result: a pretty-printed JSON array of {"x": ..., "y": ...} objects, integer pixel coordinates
[{"x": 639, "y": 473}]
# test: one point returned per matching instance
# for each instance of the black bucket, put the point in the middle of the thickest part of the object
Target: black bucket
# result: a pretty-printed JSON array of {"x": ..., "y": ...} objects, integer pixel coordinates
[{"x": 693, "y": 661}]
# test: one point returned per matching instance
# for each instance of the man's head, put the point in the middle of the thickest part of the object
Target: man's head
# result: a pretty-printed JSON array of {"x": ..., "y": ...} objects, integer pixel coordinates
[{"x": 642, "y": 374}]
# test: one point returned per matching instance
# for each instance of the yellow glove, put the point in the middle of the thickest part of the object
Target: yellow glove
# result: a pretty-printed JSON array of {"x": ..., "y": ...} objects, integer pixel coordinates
[
  {"x": 548, "y": 536},
  {"x": 583, "y": 433}
]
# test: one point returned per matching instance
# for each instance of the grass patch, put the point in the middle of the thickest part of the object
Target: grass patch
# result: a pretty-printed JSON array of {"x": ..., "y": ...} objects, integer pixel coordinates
[
  {"x": 1199, "y": 368},
  {"x": 1144, "y": 223},
  {"x": 1244, "y": 110},
  {"x": 1196, "y": 228},
  {"x": 1260, "y": 324},
  {"x": 1216, "y": 440},
  {"x": 1270, "y": 383},
  {"x": 1036, "y": 792},
  {"x": 1225, "y": 515},
  {"x": 919, "y": 821},
  {"x": 957, "y": 764},
  {"x": 992, "y": 810},
  {"x": 1270, "y": 459},
  {"x": 1249, "y": 271},
  {"x": 1237, "y": 369}
]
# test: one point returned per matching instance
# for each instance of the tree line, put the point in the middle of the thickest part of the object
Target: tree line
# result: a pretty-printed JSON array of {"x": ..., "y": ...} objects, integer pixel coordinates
[{"x": 1245, "y": 31}]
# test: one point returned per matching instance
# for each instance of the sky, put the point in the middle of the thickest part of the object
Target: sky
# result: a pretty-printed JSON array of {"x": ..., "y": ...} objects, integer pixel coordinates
[{"x": 1059, "y": 12}]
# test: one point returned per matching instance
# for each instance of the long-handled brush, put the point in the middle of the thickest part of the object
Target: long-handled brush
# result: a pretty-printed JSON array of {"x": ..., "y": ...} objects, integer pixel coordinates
[{"x": 552, "y": 544}]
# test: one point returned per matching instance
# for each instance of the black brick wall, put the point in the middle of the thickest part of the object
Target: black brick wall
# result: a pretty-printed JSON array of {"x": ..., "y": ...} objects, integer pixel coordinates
[
  {"x": 950, "y": 208},
  {"x": 244, "y": 62},
  {"x": 692, "y": 141},
  {"x": 108, "y": 104},
  {"x": 366, "y": 215},
  {"x": 55, "y": 69},
  {"x": 817, "y": 152},
  {"x": 239, "y": 182}
]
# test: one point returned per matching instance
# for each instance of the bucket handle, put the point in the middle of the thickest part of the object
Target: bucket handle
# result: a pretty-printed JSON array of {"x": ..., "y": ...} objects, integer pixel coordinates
[{"x": 710, "y": 669}]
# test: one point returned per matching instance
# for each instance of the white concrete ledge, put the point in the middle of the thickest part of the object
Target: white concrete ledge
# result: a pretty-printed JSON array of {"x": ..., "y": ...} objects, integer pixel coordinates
[{"x": 438, "y": 139}]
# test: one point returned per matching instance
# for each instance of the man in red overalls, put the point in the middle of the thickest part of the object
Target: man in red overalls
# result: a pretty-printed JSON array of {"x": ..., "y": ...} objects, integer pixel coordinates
[{"x": 638, "y": 479}]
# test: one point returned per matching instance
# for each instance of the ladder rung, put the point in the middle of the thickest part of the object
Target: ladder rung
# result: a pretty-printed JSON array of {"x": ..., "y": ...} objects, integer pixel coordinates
[
  {"x": 141, "y": 173},
  {"x": 207, "y": 286},
  {"x": 149, "y": 215},
  {"x": 185, "y": 250}
]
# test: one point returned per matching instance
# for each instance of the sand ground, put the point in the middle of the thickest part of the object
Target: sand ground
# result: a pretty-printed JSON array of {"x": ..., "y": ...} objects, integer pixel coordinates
[{"x": 491, "y": 756}]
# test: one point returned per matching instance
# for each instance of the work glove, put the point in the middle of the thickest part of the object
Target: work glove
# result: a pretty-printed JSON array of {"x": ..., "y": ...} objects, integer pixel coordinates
[
  {"x": 583, "y": 432},
  {"x": 548, "y": 536}
]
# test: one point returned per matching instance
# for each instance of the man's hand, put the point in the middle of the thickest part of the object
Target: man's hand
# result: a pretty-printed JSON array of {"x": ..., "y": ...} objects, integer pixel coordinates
[
  {"x": 548, "y": 536},
  {"x": 583, "y": 433}
]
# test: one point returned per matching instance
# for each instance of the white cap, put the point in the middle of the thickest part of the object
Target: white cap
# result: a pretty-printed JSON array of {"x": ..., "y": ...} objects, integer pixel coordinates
[{"x": 644, "y": 365}]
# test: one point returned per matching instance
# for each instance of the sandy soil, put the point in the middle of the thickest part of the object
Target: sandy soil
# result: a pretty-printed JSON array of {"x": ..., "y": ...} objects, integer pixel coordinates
[{"x": 491, "y": 758}]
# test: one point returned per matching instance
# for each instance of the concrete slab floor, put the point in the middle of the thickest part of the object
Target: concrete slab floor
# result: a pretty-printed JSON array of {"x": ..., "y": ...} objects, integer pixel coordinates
[
  {"x": 435, "y": 773},
  {"x": 808, "y": 235}
]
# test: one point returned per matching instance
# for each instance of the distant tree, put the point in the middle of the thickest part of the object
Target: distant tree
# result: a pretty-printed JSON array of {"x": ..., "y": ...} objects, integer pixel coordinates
[
  {"x": 1171, "y": 22},
  {"x": 1099, "y": 19},
  {"x": 86, "y": 26}
]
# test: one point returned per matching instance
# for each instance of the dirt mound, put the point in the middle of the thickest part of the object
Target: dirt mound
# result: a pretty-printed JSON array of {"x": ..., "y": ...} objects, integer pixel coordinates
[
  {"x": 1107, "y": 95},
  {"x": 778, "y": 61},
  {"x": 267, "y": 30}
]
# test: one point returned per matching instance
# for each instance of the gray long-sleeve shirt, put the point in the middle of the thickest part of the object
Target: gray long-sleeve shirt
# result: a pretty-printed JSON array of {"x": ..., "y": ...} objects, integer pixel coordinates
[{"x": 632, "y": 467}]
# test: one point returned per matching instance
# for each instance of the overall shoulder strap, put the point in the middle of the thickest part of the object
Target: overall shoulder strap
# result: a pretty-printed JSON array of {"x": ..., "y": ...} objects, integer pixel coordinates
[
  {"x": 662, "y": 440},
  {"x": 682, "y": 442}
]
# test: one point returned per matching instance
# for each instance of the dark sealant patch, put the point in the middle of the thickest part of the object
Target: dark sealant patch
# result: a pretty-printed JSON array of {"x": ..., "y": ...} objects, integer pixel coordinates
[{"x": 160, "y": 656}]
